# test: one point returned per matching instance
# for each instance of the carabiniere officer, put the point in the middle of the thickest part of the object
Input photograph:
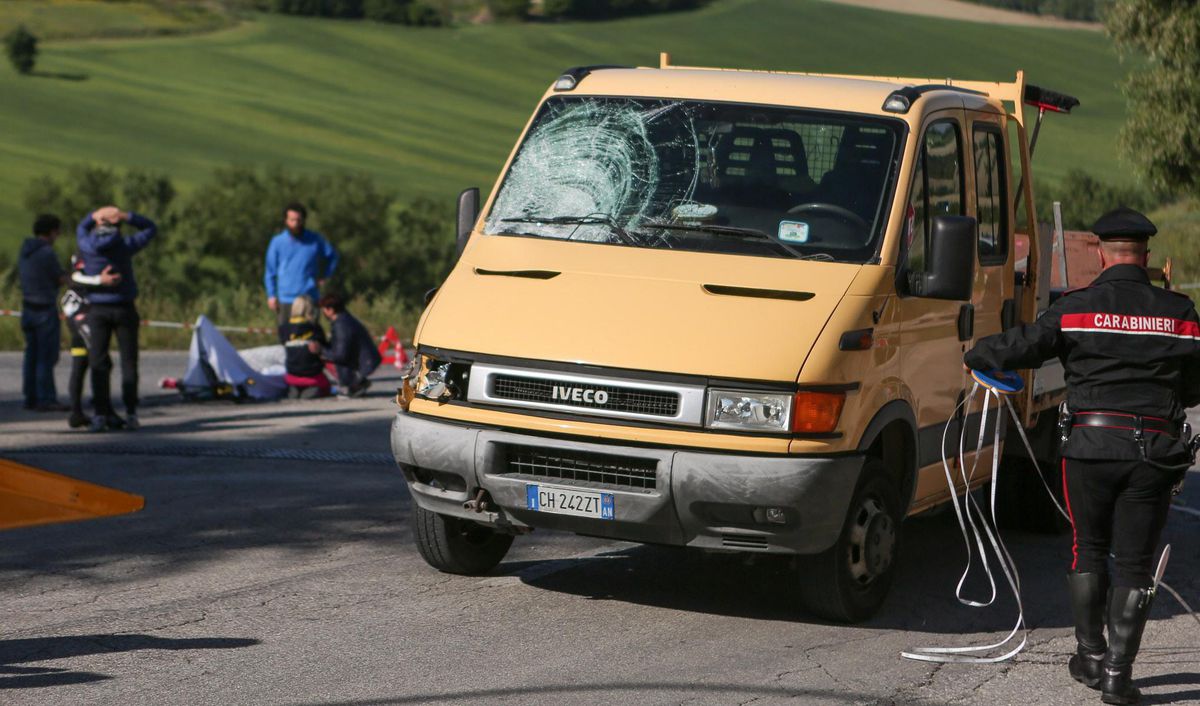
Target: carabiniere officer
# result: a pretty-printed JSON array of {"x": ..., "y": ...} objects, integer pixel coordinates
[{"x": 1131, "y": 352}]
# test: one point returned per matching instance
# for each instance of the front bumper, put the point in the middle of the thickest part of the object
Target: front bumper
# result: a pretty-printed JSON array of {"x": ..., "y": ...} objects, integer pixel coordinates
[{"x": 709, "y": 500}]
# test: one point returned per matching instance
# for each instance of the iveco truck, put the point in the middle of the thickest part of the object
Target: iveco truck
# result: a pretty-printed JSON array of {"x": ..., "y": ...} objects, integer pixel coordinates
[{"x": 727, "y": 310}]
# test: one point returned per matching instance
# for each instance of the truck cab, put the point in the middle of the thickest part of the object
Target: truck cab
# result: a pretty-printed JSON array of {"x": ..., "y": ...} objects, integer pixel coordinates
[{"x": 726, "y": 310}]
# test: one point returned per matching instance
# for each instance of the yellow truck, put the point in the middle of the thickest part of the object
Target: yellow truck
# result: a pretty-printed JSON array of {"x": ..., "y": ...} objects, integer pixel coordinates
[{"x": 727, "y": 309}]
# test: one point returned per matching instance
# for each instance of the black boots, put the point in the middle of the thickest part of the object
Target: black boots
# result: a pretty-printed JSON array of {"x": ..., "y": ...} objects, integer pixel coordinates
[
  {"x": 1088, "y": 593},
  {"x": 1128, "y": 609}
]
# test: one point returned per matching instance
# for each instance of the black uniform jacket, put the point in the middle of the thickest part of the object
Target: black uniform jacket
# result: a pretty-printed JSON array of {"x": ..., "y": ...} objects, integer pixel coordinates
[{"x": 1127, "y": 347}]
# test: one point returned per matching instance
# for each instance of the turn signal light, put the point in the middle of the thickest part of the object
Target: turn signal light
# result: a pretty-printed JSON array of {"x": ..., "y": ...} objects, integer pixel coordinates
[{"x": 817, "y": 411}]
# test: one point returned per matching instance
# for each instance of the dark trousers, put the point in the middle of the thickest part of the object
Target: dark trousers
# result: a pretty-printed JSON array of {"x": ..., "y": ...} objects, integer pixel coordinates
[
  {"x": 104, "y": 320},
  {"x": 79, "y": 361},
  {"x": 42, "y": 339},
  {"x": 348, "y": 375},
  {"x": 1117, "y": 507}
]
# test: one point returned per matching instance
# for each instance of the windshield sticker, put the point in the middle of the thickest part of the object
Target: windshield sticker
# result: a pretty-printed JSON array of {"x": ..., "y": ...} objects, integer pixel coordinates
[{"x": 793, "y": 231}]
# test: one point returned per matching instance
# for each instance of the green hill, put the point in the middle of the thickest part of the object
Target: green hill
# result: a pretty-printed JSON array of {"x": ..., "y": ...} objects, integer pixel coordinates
[{"x": 432, "y": 111}]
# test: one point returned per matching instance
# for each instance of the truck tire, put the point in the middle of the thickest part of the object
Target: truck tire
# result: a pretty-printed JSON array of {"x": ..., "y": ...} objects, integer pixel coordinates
[
  {"x": 457, "y": 546},
  {"x": 848, "y": 582}
]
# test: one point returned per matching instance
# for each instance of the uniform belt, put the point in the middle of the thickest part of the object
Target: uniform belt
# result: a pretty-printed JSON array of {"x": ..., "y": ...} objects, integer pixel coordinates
[{"x": 1125, "y": 422}]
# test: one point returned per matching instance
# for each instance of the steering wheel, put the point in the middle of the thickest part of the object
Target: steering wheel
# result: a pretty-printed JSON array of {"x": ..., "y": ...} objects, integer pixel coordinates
[{"x": 832, "y": 209}]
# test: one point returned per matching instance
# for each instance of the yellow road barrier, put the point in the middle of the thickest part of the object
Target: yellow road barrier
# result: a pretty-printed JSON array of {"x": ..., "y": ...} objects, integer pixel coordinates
[{"x": 29, "y": 496}]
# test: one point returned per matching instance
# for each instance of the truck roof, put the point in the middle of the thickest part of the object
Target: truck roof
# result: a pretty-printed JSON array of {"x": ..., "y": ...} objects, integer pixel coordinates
[{"x": 857, "y": 94}]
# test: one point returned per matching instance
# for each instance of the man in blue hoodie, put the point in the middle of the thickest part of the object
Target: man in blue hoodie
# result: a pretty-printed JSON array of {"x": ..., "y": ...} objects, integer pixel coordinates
[
  {"x": 41, "y": 275},
  {"x": 298, "y": 262},
  {"x": 101, "y": 245}
]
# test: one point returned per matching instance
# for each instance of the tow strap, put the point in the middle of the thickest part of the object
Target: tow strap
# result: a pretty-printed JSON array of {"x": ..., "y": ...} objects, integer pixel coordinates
[{"x": 976, "y": 525}]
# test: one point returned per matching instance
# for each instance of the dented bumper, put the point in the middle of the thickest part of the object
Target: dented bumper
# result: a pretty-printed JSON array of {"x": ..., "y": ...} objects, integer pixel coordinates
[{"x": 773, "y": 504}]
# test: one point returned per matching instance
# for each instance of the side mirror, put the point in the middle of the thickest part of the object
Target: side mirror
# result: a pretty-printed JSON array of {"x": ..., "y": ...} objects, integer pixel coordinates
[
  {"x": 950, "y": 265},
  {"x": 468, "y": 213}
]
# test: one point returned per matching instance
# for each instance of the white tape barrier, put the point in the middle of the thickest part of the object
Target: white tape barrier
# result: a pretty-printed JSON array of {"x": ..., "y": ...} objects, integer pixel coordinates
[
  {"x": 177, "y": 324},
  {"x": 977, "y": 526}
]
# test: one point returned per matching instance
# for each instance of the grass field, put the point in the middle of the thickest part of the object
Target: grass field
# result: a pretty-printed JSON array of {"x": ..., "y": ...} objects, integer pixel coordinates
[
  {"x": 55, "y": 19},
  {"x": 432, "y": 111}
]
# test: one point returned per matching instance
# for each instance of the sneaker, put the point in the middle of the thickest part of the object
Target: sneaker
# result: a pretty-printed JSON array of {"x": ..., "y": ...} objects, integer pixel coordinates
[
  {"x": 78, "y": 419},
  {"x": 98, "y": 424},
  {"x": 360, "y": 388},
  {"x": 342, "y": 397},
  {"x": 131, "y": 422},
  {"x": 112, "y": 421}
]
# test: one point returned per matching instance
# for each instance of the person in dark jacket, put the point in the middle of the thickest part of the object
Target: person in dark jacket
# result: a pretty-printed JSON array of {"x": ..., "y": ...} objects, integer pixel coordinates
[
  {"x": 102, "y": 247},
  {"x": 351, "y": 349},
  {"x": 302, "y": 337},
  {"x": 41, "y": 275},
  {"x": 75, "y": 304},
  {"x": 1131, "y": 352}
]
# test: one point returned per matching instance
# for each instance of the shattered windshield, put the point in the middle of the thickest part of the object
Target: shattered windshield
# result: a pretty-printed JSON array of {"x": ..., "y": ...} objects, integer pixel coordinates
[{"x": 689, "y": 175}]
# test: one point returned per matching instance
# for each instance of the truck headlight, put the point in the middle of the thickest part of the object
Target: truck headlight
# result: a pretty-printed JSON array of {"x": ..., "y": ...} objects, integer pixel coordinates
[
  {"x": 801, "y": 412},
  {"x": 437, "y": 380},
  {"x": 748, "y": 411}
]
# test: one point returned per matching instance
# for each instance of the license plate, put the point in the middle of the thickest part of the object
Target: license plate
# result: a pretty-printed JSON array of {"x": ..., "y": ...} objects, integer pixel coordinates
[{"x": 568, "y": 501}]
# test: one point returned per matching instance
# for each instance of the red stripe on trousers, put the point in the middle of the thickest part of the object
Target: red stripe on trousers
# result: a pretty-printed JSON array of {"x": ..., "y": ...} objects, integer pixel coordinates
[{"x": 1074, "y": 532}]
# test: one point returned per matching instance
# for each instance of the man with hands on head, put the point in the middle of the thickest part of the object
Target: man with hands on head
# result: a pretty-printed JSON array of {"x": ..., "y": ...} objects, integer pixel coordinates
[
  {"x": 102, "y": 248},
  {"x": 298, "y": 261}
]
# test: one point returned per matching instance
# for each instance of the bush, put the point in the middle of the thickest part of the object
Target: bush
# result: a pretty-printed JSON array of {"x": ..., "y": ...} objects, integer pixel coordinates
[
  {"x": 21, "y": 47},
  {"x": 212, "y": 242},
  {"x": 421, "y": 14},
  {"x": 395, "y": 11},
  {"x": 605, "y": 9},
  {"x": 509, "y": 9},
  {"x": 1085, "y": 198}
]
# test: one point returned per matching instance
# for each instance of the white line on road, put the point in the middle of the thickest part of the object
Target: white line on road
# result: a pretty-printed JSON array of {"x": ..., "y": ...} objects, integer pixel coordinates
[{"x": 1185, "y": 508}]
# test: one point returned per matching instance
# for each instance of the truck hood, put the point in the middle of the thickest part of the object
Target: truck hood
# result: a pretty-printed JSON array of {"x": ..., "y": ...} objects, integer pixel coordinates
[{"x": 716, "y": 315}]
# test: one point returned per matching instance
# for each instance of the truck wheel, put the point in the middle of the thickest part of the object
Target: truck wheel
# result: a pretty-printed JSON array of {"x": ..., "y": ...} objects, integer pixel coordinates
[
  {"x": 458, "y": 546},
  {"x": 849, "y": 581}
]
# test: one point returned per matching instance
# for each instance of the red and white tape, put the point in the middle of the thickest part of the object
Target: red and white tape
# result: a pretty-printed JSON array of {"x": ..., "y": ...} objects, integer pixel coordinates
[{"x": 182, "y": 325}]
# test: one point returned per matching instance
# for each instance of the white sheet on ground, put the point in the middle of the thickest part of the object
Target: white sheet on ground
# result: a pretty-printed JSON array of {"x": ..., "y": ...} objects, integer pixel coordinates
[{"x": 227, "y": 366}]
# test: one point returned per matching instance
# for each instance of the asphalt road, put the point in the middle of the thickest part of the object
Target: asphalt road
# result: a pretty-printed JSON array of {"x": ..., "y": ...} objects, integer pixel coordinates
[{"x": 274, "y": 564}]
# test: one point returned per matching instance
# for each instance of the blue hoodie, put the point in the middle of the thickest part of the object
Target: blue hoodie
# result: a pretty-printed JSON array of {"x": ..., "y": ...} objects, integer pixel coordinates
[
  {"x": 40, "y": 272},
  {"x": 295, "y": 263},
  {"x": 103, "y": 246}
]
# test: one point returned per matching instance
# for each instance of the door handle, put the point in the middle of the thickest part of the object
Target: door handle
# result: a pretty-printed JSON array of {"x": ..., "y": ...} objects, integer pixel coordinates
[
  {"x": 1008, "y": 314},
  {"x": 966, "y": 322}
]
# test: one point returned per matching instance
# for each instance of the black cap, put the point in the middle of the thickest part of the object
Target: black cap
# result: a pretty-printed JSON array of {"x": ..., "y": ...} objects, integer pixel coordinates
[{"x": 1123, "y": 224}]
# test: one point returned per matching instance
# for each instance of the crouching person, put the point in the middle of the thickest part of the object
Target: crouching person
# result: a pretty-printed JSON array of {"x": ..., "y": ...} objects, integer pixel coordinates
[
  {"x": 300, "y": 335},
  {"x": 352, "y": 349}
]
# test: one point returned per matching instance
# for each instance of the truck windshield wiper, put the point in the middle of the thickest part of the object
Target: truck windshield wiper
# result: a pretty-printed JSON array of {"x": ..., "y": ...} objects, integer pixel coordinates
[
  {"x": 592, "y": 219},
  {"x": 726, "y": 231}
]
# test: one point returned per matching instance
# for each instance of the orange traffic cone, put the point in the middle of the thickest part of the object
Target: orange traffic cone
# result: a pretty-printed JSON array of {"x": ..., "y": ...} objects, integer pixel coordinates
[{"x": 390, "y": 348}]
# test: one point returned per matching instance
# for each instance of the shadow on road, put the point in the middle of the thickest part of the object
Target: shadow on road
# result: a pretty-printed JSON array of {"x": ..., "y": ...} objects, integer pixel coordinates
[
  {"x": 763, "y": 587},
  {"x": 36, "y": 649}
]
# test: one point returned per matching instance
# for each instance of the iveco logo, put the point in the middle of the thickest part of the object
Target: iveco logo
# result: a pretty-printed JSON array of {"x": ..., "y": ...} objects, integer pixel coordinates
[{"x": 579, "y": 394}]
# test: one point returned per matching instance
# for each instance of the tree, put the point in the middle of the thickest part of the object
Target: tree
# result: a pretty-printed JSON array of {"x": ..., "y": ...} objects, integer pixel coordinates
[
  {"x": 21, "y": 47},
  {"x": 1162, "y": 135}
]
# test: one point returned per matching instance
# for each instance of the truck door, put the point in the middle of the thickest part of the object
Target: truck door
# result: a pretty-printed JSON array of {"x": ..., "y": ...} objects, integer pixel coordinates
[{"x": 931, "y": 330}]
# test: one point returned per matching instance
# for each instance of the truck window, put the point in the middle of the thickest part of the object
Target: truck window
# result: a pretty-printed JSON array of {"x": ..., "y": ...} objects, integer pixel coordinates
[
  {"x": 692, "y": 175},
  {"x": 991, "y": 197},
  {"x": 936, "y": 189}
]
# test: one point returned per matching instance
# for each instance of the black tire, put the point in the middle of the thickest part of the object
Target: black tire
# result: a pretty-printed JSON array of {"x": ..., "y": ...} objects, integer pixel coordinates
[
  {"x": 848, "y": 582},
  {"x": 457, "y": 546}
]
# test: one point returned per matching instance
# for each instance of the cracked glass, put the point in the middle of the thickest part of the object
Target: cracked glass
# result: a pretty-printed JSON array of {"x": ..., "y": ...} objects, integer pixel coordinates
[{"x": 692, "y": 175}]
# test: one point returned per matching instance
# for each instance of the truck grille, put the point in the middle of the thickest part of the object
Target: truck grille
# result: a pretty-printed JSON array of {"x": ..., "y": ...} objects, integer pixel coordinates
[
  {"x": 619, "y": 399},
  {"x": 582, "y": 466}
]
